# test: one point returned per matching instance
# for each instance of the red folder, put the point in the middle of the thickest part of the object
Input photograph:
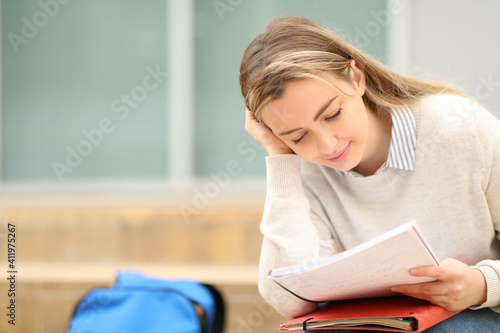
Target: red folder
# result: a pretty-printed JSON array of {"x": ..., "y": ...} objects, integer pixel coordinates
[{"x": 373, "y": 314}]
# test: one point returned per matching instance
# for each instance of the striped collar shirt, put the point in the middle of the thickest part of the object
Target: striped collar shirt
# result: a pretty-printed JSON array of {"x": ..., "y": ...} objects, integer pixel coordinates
[{"x": 403, "y": 143}]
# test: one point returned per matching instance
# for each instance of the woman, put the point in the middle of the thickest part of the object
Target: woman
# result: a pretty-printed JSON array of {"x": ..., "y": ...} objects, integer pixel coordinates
[{"x": 355, "y": 150}]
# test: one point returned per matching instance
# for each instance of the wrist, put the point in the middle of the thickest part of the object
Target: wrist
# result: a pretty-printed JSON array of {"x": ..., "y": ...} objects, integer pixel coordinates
[
  {"x": 480, "y": 282},
  {"x": 279, "y": 151}
]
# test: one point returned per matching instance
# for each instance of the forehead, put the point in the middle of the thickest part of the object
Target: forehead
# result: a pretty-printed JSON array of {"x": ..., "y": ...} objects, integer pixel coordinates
[{"x": 301, "y": 100}]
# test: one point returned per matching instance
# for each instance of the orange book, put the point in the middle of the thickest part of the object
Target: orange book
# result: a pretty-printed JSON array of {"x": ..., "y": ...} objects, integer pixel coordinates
[{"x": 390, "y": 314}]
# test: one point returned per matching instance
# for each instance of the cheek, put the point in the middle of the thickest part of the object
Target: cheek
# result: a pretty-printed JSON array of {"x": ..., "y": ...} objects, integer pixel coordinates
[
  {"x": 304, "y": 150},
  {"x": 359, "y": 126}
]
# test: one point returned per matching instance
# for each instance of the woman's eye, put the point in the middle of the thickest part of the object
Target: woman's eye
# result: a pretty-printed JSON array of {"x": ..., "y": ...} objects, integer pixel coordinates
[
  {"x": 335, "y": 115},
  {"x": 296, "y": 141},
  {"x": 332, "y": 117}
]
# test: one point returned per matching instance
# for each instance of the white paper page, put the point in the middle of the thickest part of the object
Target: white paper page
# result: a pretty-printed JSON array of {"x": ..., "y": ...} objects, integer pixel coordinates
[{"x": 368, "y": 270}]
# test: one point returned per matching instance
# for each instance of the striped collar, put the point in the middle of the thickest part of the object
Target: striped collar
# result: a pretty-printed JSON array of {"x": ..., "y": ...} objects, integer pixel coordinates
[{"x": 403, "y": 143}]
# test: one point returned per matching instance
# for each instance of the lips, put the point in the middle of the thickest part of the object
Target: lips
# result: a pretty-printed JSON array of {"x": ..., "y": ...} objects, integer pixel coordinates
[{"x": 340, "y": 155}]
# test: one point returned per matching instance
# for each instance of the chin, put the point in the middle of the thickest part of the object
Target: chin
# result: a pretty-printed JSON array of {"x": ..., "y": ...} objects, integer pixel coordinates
[{"x": 343, "y": 166}]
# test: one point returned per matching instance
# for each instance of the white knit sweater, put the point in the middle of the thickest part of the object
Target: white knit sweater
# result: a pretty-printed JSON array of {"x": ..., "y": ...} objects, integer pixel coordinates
[{"x": 453, "y": 193}]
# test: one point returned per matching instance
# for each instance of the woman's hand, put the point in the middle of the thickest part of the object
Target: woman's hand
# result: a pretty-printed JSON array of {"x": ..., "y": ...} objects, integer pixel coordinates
[
  {"x": 271, "y": 143},
  {"x": 458, "y": 285}
]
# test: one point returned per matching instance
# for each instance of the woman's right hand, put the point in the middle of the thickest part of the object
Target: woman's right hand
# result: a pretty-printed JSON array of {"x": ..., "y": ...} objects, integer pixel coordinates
[{"x": 271, "y": 143}]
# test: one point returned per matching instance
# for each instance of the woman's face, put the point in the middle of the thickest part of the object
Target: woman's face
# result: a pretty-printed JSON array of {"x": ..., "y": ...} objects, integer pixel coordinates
[{"x": 322, "y": 123}]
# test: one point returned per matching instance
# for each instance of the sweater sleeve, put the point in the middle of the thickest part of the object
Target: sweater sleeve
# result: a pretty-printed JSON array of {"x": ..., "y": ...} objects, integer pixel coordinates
[
  {"x": 489, "y": 134},
  {"x": 292, "y": 235}
]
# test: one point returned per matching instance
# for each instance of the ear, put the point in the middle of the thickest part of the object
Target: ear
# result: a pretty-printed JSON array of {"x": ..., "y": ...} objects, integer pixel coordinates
[{"x": 358, "y": 76}]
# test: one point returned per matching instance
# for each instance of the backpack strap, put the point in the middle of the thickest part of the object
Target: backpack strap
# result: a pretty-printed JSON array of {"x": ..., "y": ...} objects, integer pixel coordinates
[{"x": 218, "y": 325}]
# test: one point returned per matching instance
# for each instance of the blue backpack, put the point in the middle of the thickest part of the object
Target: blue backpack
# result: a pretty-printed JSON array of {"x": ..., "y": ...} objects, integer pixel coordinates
[{"x": 137, "y": 303}]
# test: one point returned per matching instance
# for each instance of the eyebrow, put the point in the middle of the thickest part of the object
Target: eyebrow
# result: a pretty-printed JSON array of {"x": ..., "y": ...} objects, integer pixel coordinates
[{"x": 316, "y": 117}]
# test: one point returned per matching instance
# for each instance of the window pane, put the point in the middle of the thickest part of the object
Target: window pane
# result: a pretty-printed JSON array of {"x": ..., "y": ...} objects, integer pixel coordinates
[
  {"x": 223, "y": 29},
  {"x": 84, "y": 89}
]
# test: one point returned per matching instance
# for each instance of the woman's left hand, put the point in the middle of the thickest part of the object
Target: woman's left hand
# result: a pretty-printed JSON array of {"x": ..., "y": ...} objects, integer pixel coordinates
[{"x": 458, "y": 285}]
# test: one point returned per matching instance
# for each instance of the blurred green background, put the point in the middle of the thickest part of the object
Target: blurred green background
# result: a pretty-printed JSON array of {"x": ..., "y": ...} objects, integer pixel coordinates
[{"x": 67, "y": 67}]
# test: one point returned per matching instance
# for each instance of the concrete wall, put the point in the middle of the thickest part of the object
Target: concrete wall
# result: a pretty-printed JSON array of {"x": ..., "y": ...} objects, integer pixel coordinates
[{"x": 459, "y": 40}]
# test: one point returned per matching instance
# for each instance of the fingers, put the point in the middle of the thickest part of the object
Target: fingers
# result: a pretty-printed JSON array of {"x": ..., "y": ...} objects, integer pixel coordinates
[
  {"x": 434, "y": 292},
  {"x": 441, "y": 286},
  {"x": 424, "y": 289},
  {"x": 250, "y": 120},
  {"x": 264, "y": 136},
  {"x": 250, "y": 116},
  {"x": 436, "y": 272},
  {"x": 449, "y": 270},
  {"x": 257, "y": 130},
  {"x": 457, "y": 285}
]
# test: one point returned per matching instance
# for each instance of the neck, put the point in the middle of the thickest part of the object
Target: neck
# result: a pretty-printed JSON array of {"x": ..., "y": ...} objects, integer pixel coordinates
[{"x": 379, "y": 139}]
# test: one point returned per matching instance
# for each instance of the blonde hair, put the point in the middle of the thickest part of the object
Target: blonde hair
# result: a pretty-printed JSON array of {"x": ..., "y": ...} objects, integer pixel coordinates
[{"x": 292, "y": 48}]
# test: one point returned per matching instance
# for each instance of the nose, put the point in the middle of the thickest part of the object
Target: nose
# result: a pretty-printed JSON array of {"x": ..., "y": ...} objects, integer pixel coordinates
[{"x": 327, "y": 143}]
